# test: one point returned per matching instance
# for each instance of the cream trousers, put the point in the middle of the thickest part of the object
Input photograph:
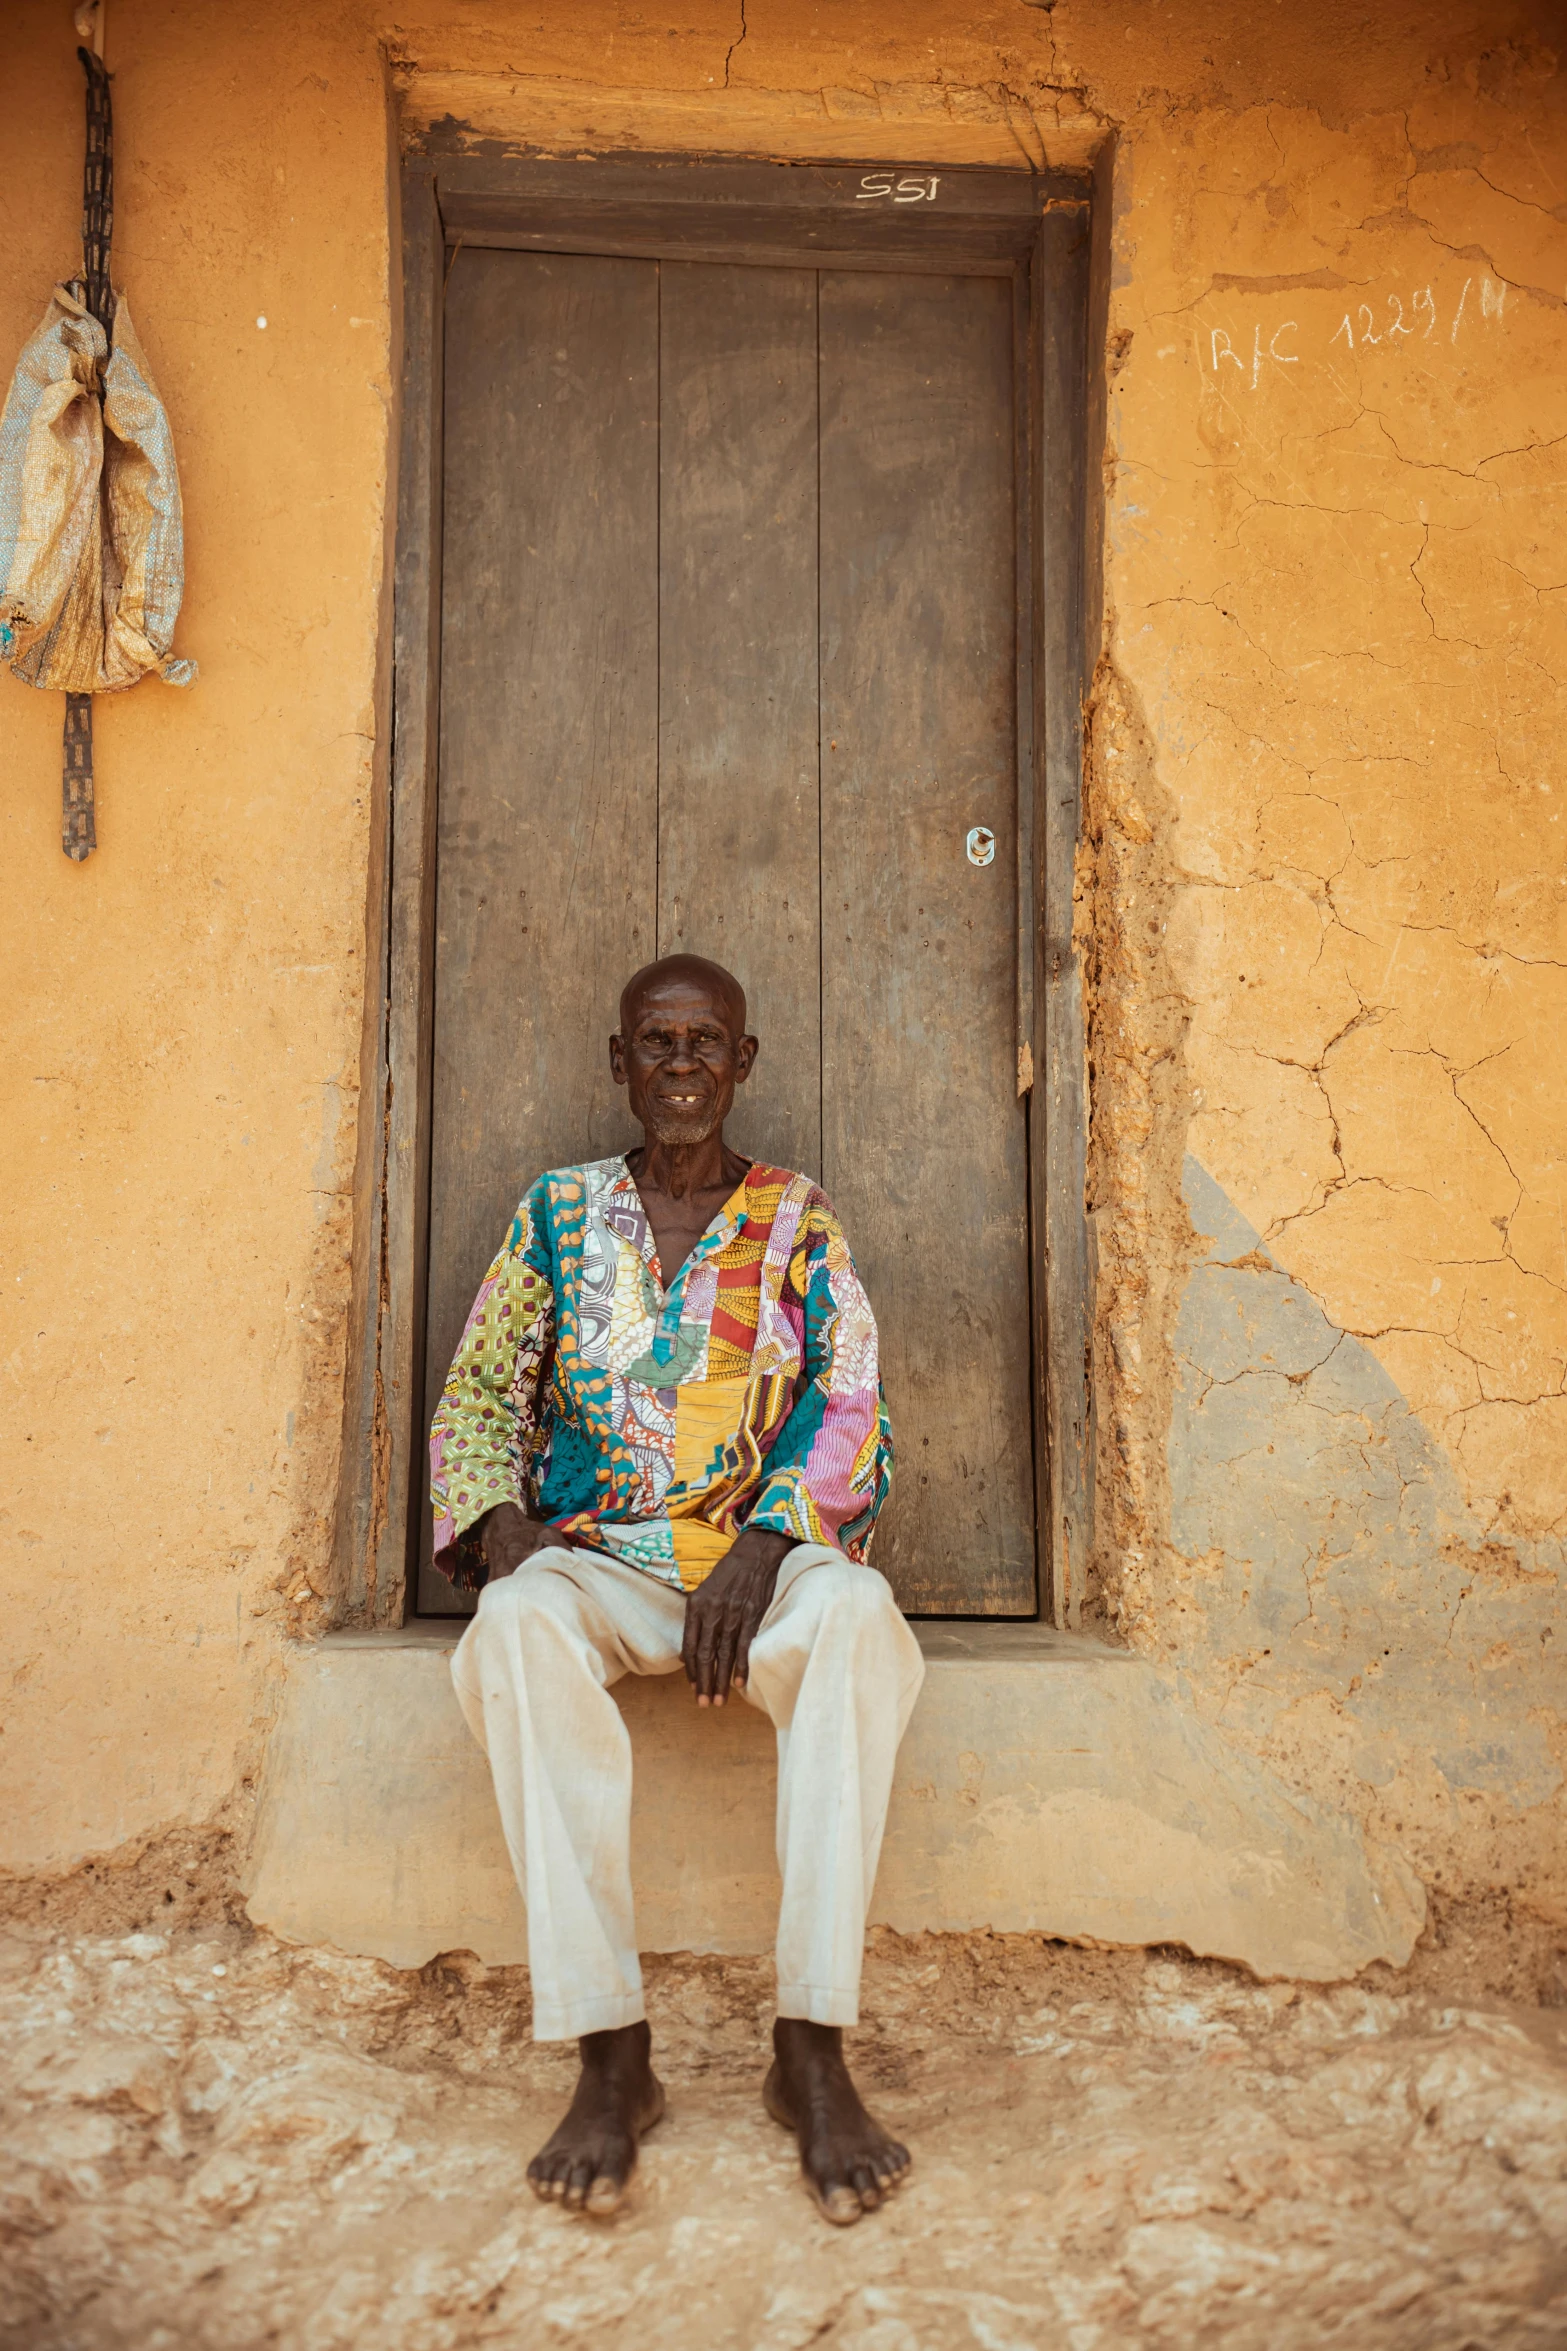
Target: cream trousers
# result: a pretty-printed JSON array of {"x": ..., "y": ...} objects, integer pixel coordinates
[{"x": 833, "y": 1664}]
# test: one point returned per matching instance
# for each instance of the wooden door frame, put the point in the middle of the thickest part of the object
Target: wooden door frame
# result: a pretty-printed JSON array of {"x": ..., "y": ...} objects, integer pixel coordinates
[{"x": 1042, "y": 230}]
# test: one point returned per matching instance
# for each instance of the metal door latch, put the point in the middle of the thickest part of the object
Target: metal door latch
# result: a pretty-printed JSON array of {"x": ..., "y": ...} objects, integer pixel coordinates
[{"x": 981, "y": 845}]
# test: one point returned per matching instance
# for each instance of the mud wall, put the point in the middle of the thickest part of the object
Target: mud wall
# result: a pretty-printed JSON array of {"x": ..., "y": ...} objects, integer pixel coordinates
[
  {"x": 1320, "y": 894},
  {"x": 1326, "y": 899},
  {"x": 183, "y": 1011}
]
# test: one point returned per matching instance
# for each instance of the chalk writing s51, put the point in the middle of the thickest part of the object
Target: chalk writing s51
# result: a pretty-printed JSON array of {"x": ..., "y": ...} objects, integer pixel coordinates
[{"x": 904, "y": 191}]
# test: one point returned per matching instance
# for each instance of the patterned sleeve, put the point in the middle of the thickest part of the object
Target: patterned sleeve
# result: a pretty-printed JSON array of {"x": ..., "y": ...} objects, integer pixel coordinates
[
  {"x": 831, "y": 1463},
  {"x": 486, "y": 1441}
]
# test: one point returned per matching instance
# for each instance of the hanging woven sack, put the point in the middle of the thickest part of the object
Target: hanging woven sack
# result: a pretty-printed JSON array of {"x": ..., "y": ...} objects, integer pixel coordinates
[{"x": 92, "y": 550}]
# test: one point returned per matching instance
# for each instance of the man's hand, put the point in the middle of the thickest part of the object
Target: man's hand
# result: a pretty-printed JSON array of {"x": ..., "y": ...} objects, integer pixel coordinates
[
  {"x": 508, "y": 1536},
  {"x": 723, "y": 1613}
]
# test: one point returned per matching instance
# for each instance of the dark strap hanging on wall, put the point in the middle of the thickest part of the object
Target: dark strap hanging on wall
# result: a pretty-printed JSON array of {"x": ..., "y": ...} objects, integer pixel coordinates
[
  {"x": 78, "y": 830},
  {"x": 78, "y": 834}
]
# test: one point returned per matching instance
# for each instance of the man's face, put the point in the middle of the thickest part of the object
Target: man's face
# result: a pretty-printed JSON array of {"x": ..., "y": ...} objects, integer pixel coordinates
[{"x": 681, "y": 1053}]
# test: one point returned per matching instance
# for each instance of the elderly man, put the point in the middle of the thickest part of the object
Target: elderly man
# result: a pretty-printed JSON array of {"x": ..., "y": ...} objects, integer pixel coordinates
[{"x": 663, "y": 1443}]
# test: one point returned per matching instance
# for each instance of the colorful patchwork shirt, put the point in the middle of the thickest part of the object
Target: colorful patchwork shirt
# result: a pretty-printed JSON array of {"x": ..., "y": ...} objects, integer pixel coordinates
[{"x": 654, "y": 1424}]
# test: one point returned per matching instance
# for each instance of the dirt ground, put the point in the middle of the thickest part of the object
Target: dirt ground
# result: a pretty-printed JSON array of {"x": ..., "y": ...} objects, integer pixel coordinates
[{"x": 214, "y": 2142}]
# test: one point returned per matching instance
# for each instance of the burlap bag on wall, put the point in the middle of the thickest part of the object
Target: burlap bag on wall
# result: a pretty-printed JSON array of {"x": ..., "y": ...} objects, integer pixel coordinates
[{"x": 92, "y": 543}]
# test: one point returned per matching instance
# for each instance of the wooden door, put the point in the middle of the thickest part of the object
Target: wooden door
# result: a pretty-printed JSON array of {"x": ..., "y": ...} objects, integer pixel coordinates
[{"x": 728, "y": 664}]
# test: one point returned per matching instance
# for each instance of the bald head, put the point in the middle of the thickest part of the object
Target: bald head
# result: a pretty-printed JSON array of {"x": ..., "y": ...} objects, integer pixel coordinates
[
  {"x": 682, "y": 1047},
  {"x": 684, "y": 972}
]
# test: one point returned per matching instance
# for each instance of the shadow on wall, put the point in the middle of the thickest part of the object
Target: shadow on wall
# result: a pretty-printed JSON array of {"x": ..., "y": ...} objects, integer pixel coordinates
[{"x": 1346, "y": 1559}]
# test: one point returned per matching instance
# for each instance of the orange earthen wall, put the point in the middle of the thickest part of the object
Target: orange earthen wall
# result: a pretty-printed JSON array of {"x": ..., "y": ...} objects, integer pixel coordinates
[{"x": 1323, "y": 893}]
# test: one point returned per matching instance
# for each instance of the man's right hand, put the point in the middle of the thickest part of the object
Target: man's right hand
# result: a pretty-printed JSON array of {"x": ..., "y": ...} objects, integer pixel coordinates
[{"x": 508, "y": 1536}]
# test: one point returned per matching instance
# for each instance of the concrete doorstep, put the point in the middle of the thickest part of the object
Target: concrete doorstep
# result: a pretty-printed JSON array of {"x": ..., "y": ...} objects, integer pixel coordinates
[{"x": 1046, "y": 1785}]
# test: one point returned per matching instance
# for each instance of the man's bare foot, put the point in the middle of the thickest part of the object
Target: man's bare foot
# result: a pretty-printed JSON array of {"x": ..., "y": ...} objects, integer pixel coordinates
[
  {"x": 588, "y": 2163},
  {"x": 848, "y": 2160}
]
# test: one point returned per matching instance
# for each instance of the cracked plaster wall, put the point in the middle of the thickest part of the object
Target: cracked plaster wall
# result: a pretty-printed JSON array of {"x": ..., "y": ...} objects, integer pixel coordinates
[
  {"x": 1321, "y": 889},
  {"x": 1346, "y": 1609},
  {"x": 1325, "y": 904}
]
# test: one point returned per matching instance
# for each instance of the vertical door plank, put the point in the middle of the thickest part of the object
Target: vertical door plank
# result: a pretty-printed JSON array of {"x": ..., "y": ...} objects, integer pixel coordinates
[
  {"x": 739, "y": 863},
  {"x": 547, "y": 817},
  {"x": 398, "y": 1383},
  {"x": 924, "y": 1139},
  {"x": 1063, "y": 1288}
]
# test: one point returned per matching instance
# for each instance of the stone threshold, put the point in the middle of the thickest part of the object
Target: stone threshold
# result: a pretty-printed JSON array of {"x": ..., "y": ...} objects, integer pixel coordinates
[{"x": 1093, "y": 1805}]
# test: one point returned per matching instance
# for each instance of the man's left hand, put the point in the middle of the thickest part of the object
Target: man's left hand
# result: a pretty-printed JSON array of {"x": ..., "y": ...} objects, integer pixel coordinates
[{"x": 725, "y": 1610}]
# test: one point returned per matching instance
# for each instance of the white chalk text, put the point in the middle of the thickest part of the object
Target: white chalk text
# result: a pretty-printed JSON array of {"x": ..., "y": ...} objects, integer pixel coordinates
[
  {"x": 1389, "y": 322},
  {"x": 886, "y": 184}
]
